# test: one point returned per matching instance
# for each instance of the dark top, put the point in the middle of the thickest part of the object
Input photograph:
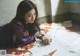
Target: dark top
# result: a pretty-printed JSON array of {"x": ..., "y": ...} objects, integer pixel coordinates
[{"x": 14, "y": 35}]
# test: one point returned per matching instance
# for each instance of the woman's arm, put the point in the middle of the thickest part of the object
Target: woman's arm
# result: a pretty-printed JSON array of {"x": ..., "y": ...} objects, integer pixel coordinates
[{"x": 20, "y": 38}]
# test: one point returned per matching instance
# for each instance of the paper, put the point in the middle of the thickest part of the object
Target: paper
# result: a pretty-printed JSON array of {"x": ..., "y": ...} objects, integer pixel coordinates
[{"x": 63, "y": 40}]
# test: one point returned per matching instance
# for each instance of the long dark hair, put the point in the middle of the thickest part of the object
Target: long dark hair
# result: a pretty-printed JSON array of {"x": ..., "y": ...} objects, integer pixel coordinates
[{"x": 22, "y": 9}]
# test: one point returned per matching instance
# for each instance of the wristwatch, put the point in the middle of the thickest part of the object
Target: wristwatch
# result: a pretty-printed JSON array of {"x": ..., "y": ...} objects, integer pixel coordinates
[{"x": 40, "y": 36}]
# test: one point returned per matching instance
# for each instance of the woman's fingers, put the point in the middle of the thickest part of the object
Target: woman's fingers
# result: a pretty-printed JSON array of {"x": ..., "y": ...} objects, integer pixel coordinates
[
  {"x": 37, "y": 34},
  {"x": 46, "y": 40}
]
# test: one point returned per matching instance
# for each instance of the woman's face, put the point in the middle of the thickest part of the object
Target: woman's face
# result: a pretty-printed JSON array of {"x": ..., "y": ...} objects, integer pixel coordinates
[{"x": 30, "y": 16}]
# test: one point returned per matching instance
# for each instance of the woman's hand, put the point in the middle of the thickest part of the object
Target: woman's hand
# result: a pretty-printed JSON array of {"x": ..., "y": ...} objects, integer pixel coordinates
[
  {"x": 46, "y": 40},
  {"x": 37, "y": 34},
  {"x": 41, "y": 32}
]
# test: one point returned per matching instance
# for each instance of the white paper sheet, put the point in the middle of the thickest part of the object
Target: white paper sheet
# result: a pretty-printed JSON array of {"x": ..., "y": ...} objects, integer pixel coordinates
[{"x": 66, "y": 43}]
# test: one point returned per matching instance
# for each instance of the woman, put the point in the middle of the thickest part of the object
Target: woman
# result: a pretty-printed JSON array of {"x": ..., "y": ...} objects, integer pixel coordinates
[{"x": 22, "y": 29}]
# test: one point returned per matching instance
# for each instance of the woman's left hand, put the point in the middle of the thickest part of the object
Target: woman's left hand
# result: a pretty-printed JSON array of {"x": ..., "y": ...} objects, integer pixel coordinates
[{"x": 46, "y": 40}]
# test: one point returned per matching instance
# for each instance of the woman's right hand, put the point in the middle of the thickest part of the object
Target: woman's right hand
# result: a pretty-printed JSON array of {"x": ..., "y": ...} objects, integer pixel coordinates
[
  {"x": 36, "y": 34},
  {"x": 46, "y": 40}
]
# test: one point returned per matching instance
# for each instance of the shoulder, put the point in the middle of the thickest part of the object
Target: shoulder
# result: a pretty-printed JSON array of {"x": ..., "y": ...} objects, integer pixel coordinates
[{"x": 18, "y": 24}]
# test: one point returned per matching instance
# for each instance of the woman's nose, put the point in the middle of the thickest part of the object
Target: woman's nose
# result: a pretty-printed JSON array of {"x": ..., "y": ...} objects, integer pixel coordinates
[{"x": 33, "y": 17}]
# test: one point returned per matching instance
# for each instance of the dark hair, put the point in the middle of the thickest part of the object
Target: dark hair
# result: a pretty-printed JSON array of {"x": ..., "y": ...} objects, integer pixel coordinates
[{"x": 22, "y": 9}]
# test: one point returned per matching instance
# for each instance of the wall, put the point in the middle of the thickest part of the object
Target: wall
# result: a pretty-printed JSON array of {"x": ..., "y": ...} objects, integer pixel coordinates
[
  {"x": 58, "y": 7},
  {"x": 75, "y": 7},
  {"x": 7, "y": 10},
  {"x": 65, "y": 11},
  {"x": 44, "y": 7}
]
